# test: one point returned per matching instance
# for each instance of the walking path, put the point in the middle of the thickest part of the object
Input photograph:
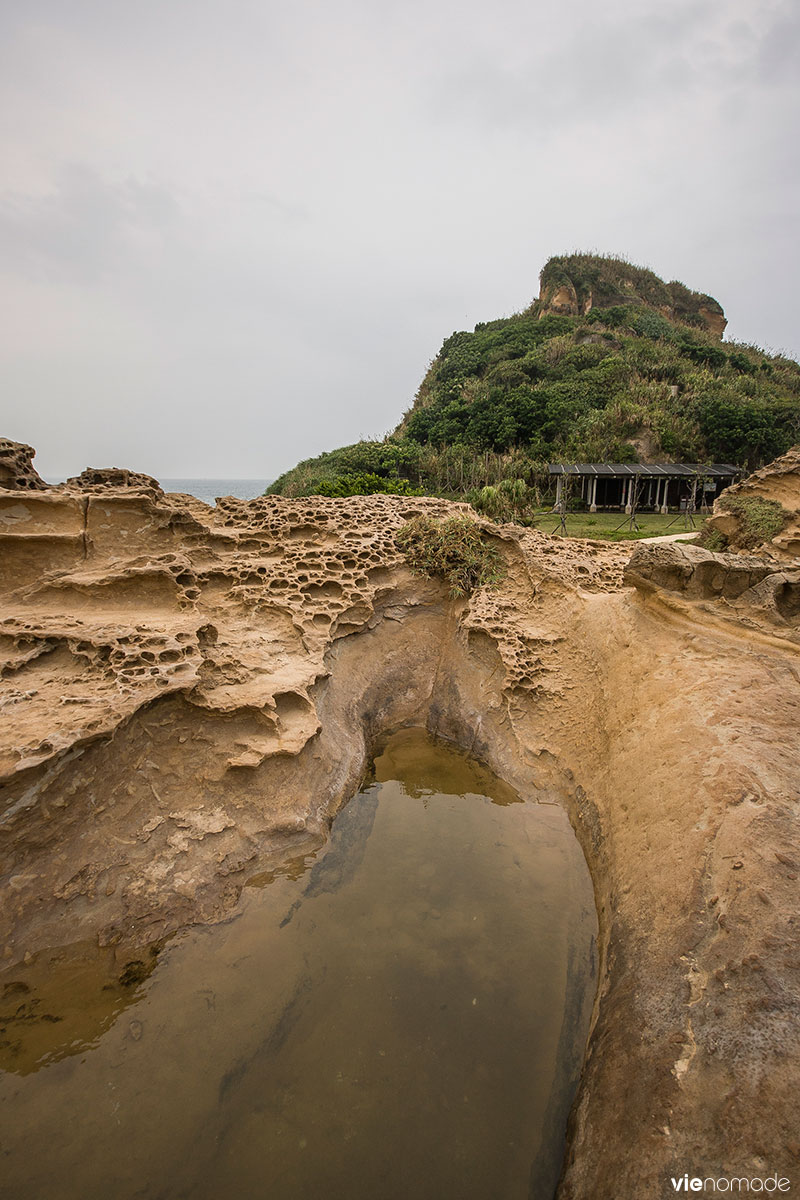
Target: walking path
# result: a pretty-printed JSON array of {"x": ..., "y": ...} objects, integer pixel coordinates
[{"x": 672, "y": 537}]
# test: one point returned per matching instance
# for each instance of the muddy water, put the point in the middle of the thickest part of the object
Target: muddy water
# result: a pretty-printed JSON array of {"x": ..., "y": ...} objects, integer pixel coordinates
[{"x": 400, "y": 1017}]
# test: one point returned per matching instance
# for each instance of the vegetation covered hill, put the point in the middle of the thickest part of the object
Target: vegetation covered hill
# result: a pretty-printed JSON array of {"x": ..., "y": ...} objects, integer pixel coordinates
[{"x": 609, "y": 364}]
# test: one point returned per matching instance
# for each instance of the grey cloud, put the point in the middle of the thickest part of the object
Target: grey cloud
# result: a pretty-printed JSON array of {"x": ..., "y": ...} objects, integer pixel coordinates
[
  {"x": 286, "y": 210},
  {"x": 779, "y": 48},
  {"x": 616, "y": 62},
  {"x": 83, "y": 227}
]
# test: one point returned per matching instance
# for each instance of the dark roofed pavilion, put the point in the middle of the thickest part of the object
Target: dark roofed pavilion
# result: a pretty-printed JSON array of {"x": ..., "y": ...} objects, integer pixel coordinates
[{"x": 656, "y": 485}]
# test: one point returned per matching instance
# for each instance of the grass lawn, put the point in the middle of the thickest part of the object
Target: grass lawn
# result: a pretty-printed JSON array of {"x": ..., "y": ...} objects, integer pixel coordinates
[{"x": 604, "y": 524}]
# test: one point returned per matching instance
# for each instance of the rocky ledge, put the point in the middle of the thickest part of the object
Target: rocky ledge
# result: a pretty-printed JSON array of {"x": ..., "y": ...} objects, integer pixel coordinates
[{"x": 189, "y": 693}]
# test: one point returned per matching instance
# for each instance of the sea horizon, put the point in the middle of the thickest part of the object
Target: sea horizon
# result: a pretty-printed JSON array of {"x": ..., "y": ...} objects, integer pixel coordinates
[{"x": 207, "y": 489}]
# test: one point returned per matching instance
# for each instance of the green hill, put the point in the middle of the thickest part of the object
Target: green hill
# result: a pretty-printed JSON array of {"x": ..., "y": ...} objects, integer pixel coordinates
[{"x": 610, "y": 363}]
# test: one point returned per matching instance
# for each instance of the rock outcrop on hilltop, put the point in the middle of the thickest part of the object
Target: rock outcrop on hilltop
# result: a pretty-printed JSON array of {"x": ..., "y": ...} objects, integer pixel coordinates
[
  {"x": 574, "y": 284},
  {"x": 189, "y": 694}
]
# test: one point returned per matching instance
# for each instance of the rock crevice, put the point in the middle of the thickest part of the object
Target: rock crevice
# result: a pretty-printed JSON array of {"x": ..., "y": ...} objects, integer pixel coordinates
[{"x": 189, "y": 694}]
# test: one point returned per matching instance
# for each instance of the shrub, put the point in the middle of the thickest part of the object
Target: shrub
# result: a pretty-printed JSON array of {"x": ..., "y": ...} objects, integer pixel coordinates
[
  {"x": 453, "y": 550},
  {"x": 366, "y": 485},
  {"x": 389, "y": 459},
  {"x": 743, "y": 430},
  {"x": 651, "y": 324},
  {"x": 487, "y": 500},
  {"x": 510, "y": 500},
  {"x": 740, "y": 362}
]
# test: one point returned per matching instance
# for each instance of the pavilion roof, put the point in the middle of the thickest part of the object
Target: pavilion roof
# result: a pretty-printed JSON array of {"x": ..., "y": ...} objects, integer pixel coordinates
[{"x": 668, "y": 470}]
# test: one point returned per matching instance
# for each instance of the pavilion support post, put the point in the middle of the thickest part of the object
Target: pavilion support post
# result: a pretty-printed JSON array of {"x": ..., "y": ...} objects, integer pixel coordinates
[
  {"x": 665, "y": 498},
  {"x": 629, "y": 495},
  {"x": 593, "y": 495}
]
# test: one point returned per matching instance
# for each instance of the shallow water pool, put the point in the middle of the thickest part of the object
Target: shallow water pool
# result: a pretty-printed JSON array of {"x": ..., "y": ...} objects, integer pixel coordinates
[{"x": 400, "y": 1017}]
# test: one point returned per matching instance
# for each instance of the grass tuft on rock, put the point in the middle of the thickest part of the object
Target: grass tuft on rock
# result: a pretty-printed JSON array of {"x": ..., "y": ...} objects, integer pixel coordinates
[
  {"x": 760, "y": 520},
  {"x": 712, "y": 539},
  {"x": 453, "y": 550}
]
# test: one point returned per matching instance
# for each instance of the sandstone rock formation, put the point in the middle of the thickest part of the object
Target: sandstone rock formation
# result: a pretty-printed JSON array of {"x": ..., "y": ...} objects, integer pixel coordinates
[
  {"x": 750, "y": 589},
  {"x": 16, "y": 467},
  {"x": 93, "y": 478},
  {"x": 189, "y": 694},
  {"x": 777, "y": 483}
]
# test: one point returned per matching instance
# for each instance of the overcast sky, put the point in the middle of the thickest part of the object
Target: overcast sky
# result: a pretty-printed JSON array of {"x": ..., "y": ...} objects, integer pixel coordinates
[{"x": 234, "y": 234}]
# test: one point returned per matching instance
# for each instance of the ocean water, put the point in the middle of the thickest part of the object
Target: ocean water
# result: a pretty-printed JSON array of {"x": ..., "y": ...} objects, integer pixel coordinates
[{"x": 209, "y": 489}]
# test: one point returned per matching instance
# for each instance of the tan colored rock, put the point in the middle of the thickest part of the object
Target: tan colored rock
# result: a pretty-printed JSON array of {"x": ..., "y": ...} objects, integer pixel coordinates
[
  {"x": 778, "y": 482},
  {"x": 16, "y": 467},
  {"x": 259, "y": 648},
  {"x": 94, "y": 478},
  {"x": 701, "y": 574},
  {"x": 715, "y": 319},
  {"x": 562, "y": 300}
]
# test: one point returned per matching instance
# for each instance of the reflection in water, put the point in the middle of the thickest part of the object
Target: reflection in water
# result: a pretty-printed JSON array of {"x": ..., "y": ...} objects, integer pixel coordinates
[
  {"x": 405, "y": 1019},
  {"x": 63, "y": 1002}
]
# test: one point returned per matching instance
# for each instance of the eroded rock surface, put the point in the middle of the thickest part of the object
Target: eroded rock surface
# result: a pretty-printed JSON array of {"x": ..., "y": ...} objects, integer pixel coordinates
[
  {"x": 189, "y": 694},
  {"x": 16, "y": 467},
  {"x": 95, "y": 478},
  {"x": 752, "y": 590},
  {"x": 778, "y": 483}
]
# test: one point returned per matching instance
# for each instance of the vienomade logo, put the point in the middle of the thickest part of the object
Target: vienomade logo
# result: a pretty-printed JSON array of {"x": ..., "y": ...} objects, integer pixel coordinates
[{"x": 734, "y": 1185}]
